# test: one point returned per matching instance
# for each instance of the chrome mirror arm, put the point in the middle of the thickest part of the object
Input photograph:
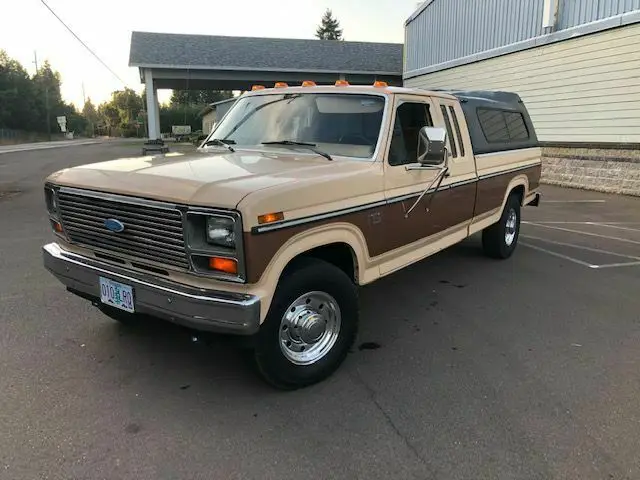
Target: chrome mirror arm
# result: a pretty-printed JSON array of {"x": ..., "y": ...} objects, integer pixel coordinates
[{"x": 438, "y": 178}]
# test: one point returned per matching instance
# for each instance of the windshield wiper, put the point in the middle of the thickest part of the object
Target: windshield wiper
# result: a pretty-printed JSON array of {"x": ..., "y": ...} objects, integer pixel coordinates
[
  {"x": 309, "y": 146},
  {"x": 221, "y": 143}
]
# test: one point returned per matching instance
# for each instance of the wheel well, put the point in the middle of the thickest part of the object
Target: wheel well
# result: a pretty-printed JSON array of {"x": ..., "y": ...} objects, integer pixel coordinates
[
  {"x": 340, "y": 255},
  {"x": 519, "y": 191}
]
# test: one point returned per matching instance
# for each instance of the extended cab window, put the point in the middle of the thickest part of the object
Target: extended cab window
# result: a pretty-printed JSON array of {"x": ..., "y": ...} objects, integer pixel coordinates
[
  {"x": 410, "y": 118},
  {"x": 502, "y": 126},
  {"x": 447, "y": 123}
]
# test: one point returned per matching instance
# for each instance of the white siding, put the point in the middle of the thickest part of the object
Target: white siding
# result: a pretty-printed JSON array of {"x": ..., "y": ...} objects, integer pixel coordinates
[
  {"x": 585, "y": 89},
  {"x": 207, "y": 122}
]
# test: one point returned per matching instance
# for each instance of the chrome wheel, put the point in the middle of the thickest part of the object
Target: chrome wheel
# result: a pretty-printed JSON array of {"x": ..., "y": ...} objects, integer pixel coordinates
[
  {"x": 309, "y": 328},
  {"x": 510, "y": 227}
]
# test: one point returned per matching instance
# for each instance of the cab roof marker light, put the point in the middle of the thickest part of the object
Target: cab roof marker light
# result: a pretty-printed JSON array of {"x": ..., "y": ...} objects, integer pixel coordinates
[
  {"x": 380, "y": 84},
  {"x": 342, "y": 83},
  {"x": 281, "y": 85},
  {"x": 308, "y": 83},
  {"x": 257, "y": 87}
]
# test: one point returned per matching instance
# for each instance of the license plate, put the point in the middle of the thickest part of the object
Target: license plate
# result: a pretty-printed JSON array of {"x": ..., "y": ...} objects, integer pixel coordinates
[{"x": 116, "y": 294}]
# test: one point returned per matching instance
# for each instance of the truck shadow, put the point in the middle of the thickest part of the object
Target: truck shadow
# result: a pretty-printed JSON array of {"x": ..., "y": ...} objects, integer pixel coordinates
[{"x": 167, "y": 358}]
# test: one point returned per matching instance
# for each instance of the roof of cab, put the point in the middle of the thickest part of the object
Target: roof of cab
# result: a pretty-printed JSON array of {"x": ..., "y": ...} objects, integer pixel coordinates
[{"x": 389, "y": 90}]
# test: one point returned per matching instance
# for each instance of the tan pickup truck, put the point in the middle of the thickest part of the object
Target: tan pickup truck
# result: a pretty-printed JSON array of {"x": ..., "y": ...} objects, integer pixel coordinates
[{"x": 299, "y": 195}]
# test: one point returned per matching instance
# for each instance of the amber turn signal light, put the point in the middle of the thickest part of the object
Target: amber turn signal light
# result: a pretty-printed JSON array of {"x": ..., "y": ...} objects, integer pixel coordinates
[
  {"x": 308, "y": 83},
  {"x": 226, "y": 265},
  {"x": 257, "y": 87},
  {"x": 270, "y": 217},
  {"x": 281, "y": 85},
  {"x": 342, "y": 83},
  {"x": 56, "y": 226}
]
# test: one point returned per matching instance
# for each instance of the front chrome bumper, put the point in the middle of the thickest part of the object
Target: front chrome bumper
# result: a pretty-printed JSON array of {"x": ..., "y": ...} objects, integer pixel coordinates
[{"x": 197, "y": 308}]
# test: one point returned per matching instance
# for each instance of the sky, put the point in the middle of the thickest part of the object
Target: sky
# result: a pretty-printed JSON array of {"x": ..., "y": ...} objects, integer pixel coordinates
[{"x": 27, "y": 26}]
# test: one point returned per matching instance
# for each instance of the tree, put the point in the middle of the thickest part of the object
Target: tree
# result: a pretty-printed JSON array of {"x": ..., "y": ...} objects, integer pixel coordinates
[
  {"x": 329, "y": 28},
  {"x": 198, "y": 97},
  {"x": 89, "y": 111},
  {"x": 47, "y": 98},
  {"x": 128, "y": 103},
  {"x": 180, "y": 115},
  {"x": 121, "y": 115},
  {"x": 32, "y": 103},
  {"x": 76, "y": 122},
  {"x": 17, "y": 108},
  {"x": 109, "y": 116},
  {"x": 90, "y": 114}
]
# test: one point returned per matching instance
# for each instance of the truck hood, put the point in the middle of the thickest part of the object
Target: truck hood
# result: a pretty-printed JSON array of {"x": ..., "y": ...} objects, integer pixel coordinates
[{"x": 203, "y": 178}]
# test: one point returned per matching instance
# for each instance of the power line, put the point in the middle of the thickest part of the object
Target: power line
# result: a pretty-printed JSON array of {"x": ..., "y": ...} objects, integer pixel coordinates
[{"x": 83, "y": 44}]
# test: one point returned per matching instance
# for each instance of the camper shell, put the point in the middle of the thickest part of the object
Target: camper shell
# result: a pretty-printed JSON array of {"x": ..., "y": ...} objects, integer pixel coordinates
[{"x": 497, "y": 121}]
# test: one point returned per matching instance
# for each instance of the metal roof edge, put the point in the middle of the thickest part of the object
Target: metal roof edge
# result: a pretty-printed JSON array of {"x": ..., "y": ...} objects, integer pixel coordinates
[
  {"x": 418, "y": 11},
  {"x": 621, "y": 20}
]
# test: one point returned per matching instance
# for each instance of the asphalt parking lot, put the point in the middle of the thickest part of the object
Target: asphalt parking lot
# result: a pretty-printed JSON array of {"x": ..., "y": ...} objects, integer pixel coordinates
[{"x": 465, "y": 368}]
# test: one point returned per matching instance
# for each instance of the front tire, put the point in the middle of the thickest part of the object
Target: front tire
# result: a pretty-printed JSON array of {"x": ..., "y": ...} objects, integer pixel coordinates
[
  {"x": 500, "y": 239},
  {"x": 310, "y": 326}
]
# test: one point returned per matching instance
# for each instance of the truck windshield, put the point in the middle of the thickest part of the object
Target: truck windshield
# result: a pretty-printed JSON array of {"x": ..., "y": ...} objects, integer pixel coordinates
[{"x": 338, "y": 124}]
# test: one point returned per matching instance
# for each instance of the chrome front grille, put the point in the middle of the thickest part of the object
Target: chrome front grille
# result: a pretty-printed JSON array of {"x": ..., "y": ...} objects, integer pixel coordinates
[{"x": 153, "y": 230}]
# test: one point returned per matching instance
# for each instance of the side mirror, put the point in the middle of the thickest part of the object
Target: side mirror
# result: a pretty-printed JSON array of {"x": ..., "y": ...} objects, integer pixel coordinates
[{"x": 432, "y": 146}]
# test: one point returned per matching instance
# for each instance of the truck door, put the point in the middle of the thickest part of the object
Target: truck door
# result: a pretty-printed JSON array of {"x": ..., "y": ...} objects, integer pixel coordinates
[
  {"x": 451, "y": 209},
  {"x": 462, "y": 182}
]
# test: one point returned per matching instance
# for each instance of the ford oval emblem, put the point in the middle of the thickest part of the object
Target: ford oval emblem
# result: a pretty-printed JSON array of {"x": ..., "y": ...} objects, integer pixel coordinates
[{"x": 116, "y": 226}]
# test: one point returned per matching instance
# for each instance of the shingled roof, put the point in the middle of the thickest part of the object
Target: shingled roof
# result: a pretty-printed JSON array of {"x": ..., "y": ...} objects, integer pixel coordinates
[{"x": 165, "y": 50}]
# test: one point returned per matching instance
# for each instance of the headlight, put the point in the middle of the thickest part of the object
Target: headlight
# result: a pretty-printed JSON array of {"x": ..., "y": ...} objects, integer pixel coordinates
[
  {"x": 220, "y": 231},
  {"x": 51, "y": 200}
]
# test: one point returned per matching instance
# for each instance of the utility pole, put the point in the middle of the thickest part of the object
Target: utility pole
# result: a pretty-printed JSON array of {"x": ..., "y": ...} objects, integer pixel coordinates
[{"x": 46, "y": 106}]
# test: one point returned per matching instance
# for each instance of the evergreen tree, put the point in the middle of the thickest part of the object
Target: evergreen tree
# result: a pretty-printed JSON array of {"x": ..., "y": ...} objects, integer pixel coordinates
[
  {"x": 17, "y": 103},
  {"x": 329, "y": 28}
]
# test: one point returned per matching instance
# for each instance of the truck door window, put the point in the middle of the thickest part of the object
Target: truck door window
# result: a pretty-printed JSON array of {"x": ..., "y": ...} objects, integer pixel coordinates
[
  {"x": 410, "y": 118},
  {"x": 447, "y": 123},
  {"x": 457, "y": 127}
]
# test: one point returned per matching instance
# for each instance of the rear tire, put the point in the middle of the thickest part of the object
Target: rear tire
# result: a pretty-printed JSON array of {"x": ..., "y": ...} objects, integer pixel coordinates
[
  {"x": 500, "y": 239},
  {"x": 311, "y": 325}
]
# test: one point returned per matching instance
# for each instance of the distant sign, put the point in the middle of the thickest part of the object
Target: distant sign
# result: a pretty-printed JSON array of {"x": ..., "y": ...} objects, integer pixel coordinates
[
  {"x": 62, "y": 121},
  {"x": 181, "y": 129}
]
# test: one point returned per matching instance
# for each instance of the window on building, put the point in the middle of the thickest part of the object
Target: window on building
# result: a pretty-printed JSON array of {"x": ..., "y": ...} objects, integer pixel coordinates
[
  {"x": 410, "y": 118},
  {"x": 502, "y": 126},
  {"x": 457, "y": 127}
]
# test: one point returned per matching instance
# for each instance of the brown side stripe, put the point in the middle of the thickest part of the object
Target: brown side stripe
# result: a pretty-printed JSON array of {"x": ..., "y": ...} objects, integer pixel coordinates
[
  {"x": 384, "y": 224},
  {"x": 339, "y": 213}
]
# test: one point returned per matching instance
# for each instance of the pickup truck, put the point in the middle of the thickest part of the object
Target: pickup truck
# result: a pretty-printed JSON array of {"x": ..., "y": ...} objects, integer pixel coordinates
[{"x": 297, "y": 197}]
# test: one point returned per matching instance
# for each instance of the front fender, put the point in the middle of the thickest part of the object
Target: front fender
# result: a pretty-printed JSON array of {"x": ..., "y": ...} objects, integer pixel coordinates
[{"x": 307, "y": 240}]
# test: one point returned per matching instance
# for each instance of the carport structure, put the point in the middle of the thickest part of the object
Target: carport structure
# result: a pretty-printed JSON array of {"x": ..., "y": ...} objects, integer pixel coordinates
[{"x": 203, "y": 62}]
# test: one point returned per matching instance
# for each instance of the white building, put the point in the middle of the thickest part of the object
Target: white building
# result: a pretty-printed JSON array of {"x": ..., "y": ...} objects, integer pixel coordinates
[
  {"x": 214, "y": 112},
  {"x": 575, "y": 63}
]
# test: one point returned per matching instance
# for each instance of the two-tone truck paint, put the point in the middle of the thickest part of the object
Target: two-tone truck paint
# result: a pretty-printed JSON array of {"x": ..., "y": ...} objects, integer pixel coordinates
[{"x": 298, "y": 196}]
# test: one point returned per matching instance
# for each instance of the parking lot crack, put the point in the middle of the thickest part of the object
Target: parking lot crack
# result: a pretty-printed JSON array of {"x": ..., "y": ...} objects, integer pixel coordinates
[{"x": 372, "y": 396}]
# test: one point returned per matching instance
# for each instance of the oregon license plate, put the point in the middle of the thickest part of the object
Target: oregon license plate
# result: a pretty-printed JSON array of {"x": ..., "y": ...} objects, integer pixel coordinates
[{"x": 116, "y": 294}]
